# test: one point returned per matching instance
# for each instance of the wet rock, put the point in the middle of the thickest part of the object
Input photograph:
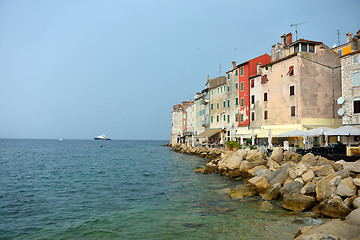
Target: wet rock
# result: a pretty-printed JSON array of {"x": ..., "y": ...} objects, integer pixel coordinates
[
  {"x": 333, "y": 230},
  {"x": 260, "y": 183},
  {"x": 242, "y": 191},
  {"x": 266, "y": 207},
  {"x": 209, "y": 168},
  {"x": 297, "y": 202},
  {"x": 335, "y": 207},
  {"x": 271, "y": 193},
  {"x": 326, "y": 187},
  {"x": 277, "y": 155},
  {"x": 293, "y": 187},
  {"x": 235, "y": 173},
  {"x": 199, "y": 169},
  {"x": 346, "y": 187},
  {"x": 354, "y": 217},
  {"x": 224, "y": 191}
]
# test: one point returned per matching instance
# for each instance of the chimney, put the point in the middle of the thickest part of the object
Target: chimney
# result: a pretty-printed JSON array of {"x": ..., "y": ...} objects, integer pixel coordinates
[
  {"x": 289, "y": 38},
  {"x": 233, "y": 64},
  {"x": 283, "y": 40},
  {"x": 348, "y": 37}
]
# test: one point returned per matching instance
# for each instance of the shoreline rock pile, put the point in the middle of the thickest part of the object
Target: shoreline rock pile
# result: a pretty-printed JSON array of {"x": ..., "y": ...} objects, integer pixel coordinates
[{"x": 312, "y": 183}]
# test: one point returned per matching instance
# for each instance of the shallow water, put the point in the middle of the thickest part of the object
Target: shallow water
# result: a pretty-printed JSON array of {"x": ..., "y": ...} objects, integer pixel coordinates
[{"x": 77, "y": 189}]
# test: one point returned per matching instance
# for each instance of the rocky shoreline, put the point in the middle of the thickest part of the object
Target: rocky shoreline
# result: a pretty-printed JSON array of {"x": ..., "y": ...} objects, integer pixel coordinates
[{"x": 302, "y": 183}]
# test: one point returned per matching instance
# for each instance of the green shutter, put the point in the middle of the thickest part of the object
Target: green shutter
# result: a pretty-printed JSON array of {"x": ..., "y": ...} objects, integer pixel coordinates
[{"x": 236, "y": 117}]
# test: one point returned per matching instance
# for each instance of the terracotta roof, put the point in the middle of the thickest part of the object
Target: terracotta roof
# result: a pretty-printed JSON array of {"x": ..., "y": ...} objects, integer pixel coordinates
[{"x": 352, "y": 53}]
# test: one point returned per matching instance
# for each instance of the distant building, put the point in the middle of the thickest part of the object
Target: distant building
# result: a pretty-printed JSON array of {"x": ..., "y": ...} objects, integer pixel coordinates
[
  {"x": 350, "y": 69},
  {"x": 352, "y": 44},
  {"x": 298, "y": 88},
  {"x": 176, "y": 124}
]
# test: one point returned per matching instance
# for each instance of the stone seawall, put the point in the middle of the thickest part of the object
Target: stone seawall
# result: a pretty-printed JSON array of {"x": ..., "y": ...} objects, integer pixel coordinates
[{"x": 302, "y": 183}]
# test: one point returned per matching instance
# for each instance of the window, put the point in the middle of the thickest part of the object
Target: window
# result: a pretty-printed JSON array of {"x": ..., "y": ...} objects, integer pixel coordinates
[
  {"x": 224, "y": 103},
  {"x": 303, "y": 47},
  {"x": 218, "y": 90},
  {"x": 242, "y": 86},
  {"x": 211, "y": 119},
  {"x": 265, "y": 115},
  {"x": 357, "y": 106},
  {"x": 291, "y": 71},
  {"x": 228, "y": 118},
  {"x": 252, "y": 116},
  {"x": 252, "y": 99},
  {"x": 221, "y": 89},
  {"x": 212, "y": 92},
  {"x": 217, "y": 118},
  {"x": 217, "y": 105},
  {"x": 224, "y": 88},
  {"x": 292, "y": 90},
  {"x": 228, "y": 75},
  {"x": 236, "y": 86},
  {"x": 203, "y": 112},
  {"x": 340, "y": 52},
  {"x": 355, "y": 78},
  {"x": 292, "y": 110},
  {"x": 311, "y": 48},
  {"x": 242, "y": 102},
  {"x": 241, "y": 117},
  {"x": 252, "y": 84},
  {"x": 265, "y": 97},
  {"x": 228, "y": 88},
  {"x": 236, "y": 101},
  {"x": 228, "y": 102},
  {"x": 264, "y": 79},
  {"x": 224, "y": 117},
  {"x": 356, "y": 59},
  {"x": 242, "y": 71},
  {"x": 236, "y": 117},
  {"x": 236, "y": 73},
  {"x": 296, "y": 48},
  {"x": 200, "y": 113},
  {"x": 212, "y": 106}
]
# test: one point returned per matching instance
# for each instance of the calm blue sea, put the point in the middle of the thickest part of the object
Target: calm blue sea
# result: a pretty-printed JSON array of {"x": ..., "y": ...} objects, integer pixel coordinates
[{"x": 76, "y": 189}]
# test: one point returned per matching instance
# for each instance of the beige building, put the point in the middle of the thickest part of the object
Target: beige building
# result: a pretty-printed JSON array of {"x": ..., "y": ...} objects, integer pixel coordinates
[
  {"x": 176, "y": 124},
  {"x": 232, "y": 102},
  {"x": 297, "y": 90}
]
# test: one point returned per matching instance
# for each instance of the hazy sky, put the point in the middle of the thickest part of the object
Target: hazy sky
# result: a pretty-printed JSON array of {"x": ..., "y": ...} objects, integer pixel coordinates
[{"x": 76, "y": 69}]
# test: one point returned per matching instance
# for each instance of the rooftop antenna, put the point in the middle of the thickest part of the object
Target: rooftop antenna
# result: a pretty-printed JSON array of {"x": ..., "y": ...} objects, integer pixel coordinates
[
  {"x": 338, "y": 31},
  {"x": 295, "y": 25}
]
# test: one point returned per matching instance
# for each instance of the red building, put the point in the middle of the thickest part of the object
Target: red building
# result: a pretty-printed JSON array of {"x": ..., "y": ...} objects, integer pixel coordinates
[{"x": 247, "y": 69}]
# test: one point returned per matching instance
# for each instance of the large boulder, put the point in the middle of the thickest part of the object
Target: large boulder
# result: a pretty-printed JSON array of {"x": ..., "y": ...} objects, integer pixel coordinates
[
  {"x": 210, "y": 168},
  {"x": 335, "y": 207},
  {"x": 233, "y": 162},
  {"x": 354, "y": 217},
  {"x": 352, "y": 166},
  {"x": 297, "y": 202},
  {"x": 272, "y": 165},
  {"x": 292, "y": 187},
  {"x": 309, "y": 189},
  {"x": 292, "y": 157},
  {"x": 280, "y": 175},
  {"x": 326, "y": 187},
  {"x": 308, "y": 159},
  {"x": 254, "y": 155},
  {"x": 323, "y": 170},
  {"x": 260, "y": 183},
  {"x": 298, "y": 170},
  {"x": 242, "y": 191},
  {"x": 267, "y": 173},
  {"x": 271, "y": 193},
  {"x": 266, "y": 207},
  {"x": 332, "y": 230},
  {"x": 256, "y": 169},
  {"x": 308, "y": 176},
  {"x": 277, "y": 155},
  {"x": 346, "y": 187}
]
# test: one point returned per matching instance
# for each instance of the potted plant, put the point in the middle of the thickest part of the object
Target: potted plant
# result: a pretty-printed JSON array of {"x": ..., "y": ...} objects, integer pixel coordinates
[{"x": 231, "y": 145}]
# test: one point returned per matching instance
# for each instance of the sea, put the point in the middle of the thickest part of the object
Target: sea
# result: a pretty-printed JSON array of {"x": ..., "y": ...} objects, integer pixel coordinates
[{"x": 87, "y": 189}]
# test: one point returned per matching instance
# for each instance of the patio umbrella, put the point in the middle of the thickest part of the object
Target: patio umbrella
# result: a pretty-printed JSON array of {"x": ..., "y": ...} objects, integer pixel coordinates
[
  {"x": 294, "y": 133},
  {"x": 344, "y": 131},
  {"x": 270, "y": 139},
  {"x": 317, "y": 131}
]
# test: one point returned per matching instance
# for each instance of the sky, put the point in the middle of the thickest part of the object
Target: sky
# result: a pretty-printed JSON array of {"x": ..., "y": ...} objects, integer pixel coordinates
[{"x": 74, "y": 69}]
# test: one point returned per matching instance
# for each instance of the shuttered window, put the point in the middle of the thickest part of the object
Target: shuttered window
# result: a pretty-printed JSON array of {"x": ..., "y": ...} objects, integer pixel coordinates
[
  {"x": 357, "y": 106},
  {"x": 355, "y": 77}
]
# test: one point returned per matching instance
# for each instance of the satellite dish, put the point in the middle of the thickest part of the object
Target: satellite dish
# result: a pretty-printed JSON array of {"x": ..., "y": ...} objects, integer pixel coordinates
[
  {"x": 252, "y": 106},
  {"x": 340, "y": 100},
  {"x": 341, "y": 112}
]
